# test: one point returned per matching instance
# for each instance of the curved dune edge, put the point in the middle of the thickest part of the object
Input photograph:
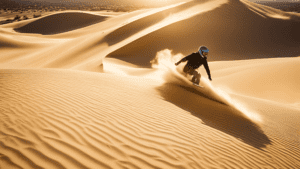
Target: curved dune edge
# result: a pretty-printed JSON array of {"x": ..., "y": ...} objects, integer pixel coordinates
[
  {"x": 60, "y": 22},
  {"x": 73, "y": 119}
]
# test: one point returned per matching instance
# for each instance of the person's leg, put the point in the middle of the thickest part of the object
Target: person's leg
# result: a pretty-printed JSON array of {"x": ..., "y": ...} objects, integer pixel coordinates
[
  {"x": 196, "y": 77},
  {"x": 186, "y": 71}
]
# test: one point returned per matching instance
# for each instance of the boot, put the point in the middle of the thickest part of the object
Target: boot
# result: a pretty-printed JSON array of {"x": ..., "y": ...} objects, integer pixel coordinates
[{"x": 196, "y": 80}]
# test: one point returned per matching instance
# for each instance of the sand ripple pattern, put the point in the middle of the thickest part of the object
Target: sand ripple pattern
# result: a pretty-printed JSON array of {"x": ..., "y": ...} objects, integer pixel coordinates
[{"x": 71, "y": 119}]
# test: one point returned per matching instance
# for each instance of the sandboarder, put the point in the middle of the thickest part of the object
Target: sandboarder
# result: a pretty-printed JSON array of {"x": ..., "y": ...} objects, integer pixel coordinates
[{"x": 195, "y": 60}]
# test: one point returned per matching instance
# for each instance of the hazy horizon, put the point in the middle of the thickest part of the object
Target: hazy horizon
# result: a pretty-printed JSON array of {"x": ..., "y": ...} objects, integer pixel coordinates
[
  {"x": 137, "y": 2},
  {"x": 109, "y": 2}
]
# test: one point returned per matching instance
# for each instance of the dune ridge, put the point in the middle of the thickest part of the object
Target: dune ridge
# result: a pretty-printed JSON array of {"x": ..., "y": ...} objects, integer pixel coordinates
[
  {"x": 84, "y": 95},
  {"x": 60, "y": 22}
]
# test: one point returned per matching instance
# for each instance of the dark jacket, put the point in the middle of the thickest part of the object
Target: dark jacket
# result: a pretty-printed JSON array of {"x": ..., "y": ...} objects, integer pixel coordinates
[{"x": 195, "y": 60}]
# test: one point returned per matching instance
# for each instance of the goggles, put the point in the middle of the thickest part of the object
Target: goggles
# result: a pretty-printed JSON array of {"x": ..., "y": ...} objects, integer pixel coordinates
[{"x": 204, "y": 51}]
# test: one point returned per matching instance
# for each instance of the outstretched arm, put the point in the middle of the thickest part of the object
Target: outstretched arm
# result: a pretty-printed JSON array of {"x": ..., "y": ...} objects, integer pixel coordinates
[
  {"x": 182, "y": 60},
  {"x": 207, "y": 70}
]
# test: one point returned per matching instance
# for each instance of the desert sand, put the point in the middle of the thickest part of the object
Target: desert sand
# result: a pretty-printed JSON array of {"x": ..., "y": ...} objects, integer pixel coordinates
[{"x": 100, "y": 90}]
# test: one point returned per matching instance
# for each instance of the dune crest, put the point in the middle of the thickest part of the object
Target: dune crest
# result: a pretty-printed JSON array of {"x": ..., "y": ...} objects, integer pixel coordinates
[{"x": 60, "y": 22}]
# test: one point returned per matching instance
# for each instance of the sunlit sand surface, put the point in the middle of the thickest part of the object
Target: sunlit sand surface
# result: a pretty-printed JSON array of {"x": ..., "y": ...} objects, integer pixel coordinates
[{"x": 100, "y": 90}]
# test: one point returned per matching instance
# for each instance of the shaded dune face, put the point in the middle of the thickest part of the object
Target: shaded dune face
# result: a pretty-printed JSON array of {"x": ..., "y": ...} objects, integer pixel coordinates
[
  {"x": 61, "y": 22},
  {"x": 231, "y": 31}
]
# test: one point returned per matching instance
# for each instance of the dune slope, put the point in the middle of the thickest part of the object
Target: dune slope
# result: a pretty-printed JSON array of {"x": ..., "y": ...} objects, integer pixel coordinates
[
  {"x": 72, "y": 119},
  {"x": 271, "y": 79},
  {"x": 232, "y": 30}
]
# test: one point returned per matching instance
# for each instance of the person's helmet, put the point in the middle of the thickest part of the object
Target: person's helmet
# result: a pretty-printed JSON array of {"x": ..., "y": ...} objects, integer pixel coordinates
[{"x": 203, "y": 49}]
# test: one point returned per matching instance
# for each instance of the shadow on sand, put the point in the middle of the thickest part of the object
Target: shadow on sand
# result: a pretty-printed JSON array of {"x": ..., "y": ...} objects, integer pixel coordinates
[{"x": 215, "y": 114}]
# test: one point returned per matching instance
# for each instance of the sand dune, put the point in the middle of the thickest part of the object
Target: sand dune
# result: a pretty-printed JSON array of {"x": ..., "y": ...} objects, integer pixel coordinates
[
  {"x": 60, "y": 22},
  {"x": 87, "y": 120},
  {"x": 232, "y": 31},
  {"x": 78, "y": 90}
]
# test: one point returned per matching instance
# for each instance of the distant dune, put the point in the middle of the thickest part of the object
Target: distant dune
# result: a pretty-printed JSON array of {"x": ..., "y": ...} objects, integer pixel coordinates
[
  {"x": 78, "y": 89},
  {"x": 60, "y": 22}
]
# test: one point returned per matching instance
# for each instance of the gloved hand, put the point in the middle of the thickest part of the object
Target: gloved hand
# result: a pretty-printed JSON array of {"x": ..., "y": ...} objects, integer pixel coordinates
[
  {"x": 177, "y": 63},
  {"x": 210, "y": 78}
]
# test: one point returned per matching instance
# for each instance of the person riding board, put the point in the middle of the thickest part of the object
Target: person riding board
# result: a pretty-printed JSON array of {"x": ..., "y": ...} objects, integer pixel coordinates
[{"x": 194, "y": 61}]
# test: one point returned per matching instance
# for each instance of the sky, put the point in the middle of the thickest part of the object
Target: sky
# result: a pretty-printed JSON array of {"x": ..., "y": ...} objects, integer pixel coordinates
[{"x": 137, "y": 2}]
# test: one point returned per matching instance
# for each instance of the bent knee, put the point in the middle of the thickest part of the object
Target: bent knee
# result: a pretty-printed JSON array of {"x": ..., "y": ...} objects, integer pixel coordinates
[{"x": 198, "y": 75}]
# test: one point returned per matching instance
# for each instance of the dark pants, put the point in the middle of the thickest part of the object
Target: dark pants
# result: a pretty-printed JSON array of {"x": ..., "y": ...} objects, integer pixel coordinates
[{"x": 191, "y": 71}]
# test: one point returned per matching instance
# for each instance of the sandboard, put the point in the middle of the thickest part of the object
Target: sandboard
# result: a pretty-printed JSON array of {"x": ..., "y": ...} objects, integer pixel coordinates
[{"x": 198, "y": 85}]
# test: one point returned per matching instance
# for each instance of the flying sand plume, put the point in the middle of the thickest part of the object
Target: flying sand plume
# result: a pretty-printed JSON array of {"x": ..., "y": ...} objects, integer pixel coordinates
[{"x": 165, "y": 61}]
